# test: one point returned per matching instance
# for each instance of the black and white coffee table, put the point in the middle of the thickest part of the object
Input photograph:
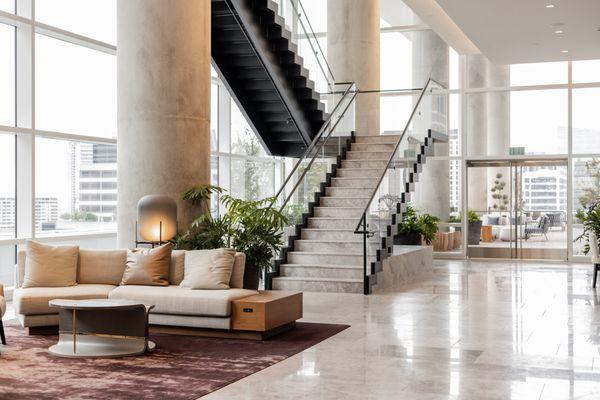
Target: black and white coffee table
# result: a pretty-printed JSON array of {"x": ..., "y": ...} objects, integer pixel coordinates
[{"x": 102, "y": 328}]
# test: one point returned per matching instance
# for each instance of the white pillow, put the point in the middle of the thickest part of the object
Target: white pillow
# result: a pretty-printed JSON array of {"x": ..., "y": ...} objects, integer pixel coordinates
[{"x": 208, "y": 269}]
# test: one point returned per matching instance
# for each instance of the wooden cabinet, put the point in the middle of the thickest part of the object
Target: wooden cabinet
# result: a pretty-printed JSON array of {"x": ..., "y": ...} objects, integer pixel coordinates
[{"x": 266, "y": 311}]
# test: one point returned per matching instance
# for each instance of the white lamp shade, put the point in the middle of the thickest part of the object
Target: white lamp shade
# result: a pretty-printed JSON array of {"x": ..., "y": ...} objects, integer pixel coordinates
[{"x": 157, "y": 218}]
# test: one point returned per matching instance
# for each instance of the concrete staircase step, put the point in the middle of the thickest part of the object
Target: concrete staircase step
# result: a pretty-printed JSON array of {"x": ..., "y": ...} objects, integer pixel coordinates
[
  {"x": 338, "y": 212},
  {"x": 305, "y": 257},
  {"x": 334, "y": 246},
  {"x": 373, "y": 173},
  {"x": 360, "y": 202},
  {"x": 322, "y": 271},
  {"x": 329, "y": 234},
  {"x": 377, "y": 138},
  {"x": 354, "y": 182},
  {"x": 318, "y": 284},
  {"x": 349, "y": 192},
  {"x": 368, "y": 155},
  {"x": 333, "y": 223},
  {"x": 386, "y": 147},
  {"x": 372, "y": 163}
]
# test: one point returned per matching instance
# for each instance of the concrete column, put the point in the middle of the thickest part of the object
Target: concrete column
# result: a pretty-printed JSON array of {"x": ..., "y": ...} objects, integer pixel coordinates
[
  {"x": 498, "y": 124},
  {"x": 430, "y": 58},
  {"x": 476, "y": 130},
  {"x": 163, "y": 65},
  {"x": 353, "y": 54}
]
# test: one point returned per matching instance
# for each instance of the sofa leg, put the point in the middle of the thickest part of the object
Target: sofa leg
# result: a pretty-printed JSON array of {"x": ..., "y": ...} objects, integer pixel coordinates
[{"x": 2, "y": 333}]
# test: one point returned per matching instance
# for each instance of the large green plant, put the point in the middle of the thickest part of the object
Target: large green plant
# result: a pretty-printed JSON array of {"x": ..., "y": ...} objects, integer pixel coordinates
[
  {"x": 249, "y": 226},
  {"x": 590, "y": 218},
  {"x": 417, "y": 223}
]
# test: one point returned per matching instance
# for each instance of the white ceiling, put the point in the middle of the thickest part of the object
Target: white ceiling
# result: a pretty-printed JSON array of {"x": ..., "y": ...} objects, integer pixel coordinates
[{"x": 520, "y": 31}]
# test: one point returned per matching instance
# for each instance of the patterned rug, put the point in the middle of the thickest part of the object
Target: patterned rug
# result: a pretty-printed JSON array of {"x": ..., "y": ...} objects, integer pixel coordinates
[{"x": 182, "y": 367}]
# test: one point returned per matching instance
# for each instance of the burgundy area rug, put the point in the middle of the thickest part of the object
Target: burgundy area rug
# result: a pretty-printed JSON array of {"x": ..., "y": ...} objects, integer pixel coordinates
[{"x": 182, "y": 367}]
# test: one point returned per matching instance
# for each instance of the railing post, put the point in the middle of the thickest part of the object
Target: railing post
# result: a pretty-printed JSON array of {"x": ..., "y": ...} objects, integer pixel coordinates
[{"x": 366, "y": 285}]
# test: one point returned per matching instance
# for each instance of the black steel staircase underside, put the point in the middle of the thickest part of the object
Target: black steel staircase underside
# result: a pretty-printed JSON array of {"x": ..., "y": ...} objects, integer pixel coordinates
[{"x": 258, "y": 62}]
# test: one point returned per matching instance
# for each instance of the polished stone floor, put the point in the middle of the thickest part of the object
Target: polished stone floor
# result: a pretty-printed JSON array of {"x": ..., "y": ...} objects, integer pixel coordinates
[{"x": 474, "y": 330}]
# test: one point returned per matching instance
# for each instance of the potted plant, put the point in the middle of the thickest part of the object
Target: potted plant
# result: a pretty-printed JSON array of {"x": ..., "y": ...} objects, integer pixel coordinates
[
  {"x": 590, "y": 219},
  {"x": 474, "y": 228},
  {"x": 248, "y": 226},
  {"x": 416, "y": 228}
]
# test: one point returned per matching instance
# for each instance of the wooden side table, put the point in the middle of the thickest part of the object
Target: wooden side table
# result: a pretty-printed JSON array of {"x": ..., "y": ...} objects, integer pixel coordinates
[
  {"x": 486, "y": 233},
  {"x": 266, "y": 313}
]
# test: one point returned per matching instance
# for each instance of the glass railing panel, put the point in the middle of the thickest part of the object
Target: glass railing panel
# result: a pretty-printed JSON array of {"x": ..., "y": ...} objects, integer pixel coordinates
[
  {"x": 380, "y": 219},
  {"x": 301, "y": 20},
  {"x": 311, "y": 169}
]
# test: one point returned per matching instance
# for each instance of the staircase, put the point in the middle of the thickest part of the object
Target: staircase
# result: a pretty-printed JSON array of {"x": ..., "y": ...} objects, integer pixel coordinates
[
  {"x": 327, "y": 254},
  {"x": 259, "y": 64}
]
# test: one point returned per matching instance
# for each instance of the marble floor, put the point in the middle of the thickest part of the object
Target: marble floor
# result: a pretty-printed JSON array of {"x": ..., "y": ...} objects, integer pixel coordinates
[{"x": 474, "y": 330}]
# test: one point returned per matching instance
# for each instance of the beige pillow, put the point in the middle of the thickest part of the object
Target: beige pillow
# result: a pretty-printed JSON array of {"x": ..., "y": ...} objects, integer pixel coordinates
[
  {"x": 101, "y": 266},
  {"x": 177, "y": 267},
  {"x": 148, "y": 267},
  {"x": 208, "y": 269},
  {"x": 237, "y": 275},
  {"x": 50, "y": 266}
]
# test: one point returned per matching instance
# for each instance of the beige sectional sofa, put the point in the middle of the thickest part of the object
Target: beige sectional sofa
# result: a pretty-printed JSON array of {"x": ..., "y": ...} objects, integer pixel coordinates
[{"x": 99, "y": 276}]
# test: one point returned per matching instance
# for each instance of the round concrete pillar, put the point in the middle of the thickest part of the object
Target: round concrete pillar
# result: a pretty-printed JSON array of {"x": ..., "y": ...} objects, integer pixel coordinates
[
  {"x": 431, "y": 58},
  {"x": 476, "y": 130},
  {"x": 498, "y": 125},
  {"x": 353, "y": 54},
  {"x": 163, "y": 64}
]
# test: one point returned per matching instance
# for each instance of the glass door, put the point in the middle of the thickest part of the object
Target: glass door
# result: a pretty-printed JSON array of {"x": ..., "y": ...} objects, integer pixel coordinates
[{"x": 517, "y": 208}]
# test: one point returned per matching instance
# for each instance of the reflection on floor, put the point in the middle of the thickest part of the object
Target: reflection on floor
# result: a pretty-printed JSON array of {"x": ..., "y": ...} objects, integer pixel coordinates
[{"x": 475, "y": 330}]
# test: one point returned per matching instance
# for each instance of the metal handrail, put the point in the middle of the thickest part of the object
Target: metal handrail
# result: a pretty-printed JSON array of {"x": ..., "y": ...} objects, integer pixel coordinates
[
  {"x": 314, "y": 143},
  {"x": 412, "y": 114}
]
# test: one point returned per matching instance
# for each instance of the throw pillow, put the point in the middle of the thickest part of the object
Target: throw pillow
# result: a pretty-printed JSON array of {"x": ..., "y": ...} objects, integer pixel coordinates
[
  {"x": 149, "y": 267},
  {"x": 101, "y": 266},
  {"x": 208, "y": 269},
  {"x": 50, "y": 266},
  {"x": 493, "y": 220}
]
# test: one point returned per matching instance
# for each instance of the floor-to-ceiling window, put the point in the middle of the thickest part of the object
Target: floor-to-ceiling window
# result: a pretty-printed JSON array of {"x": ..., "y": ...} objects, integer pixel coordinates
[
  {"x": 524, "y": 111},
  {"x": 58, "y": 125}
]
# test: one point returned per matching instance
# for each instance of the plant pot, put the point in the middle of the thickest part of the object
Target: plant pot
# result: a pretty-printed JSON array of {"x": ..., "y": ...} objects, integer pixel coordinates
[
  {"x": 410, "y": 239},
  {"x": 474, "y": 232},
  {"x": 251, "y": 277}
]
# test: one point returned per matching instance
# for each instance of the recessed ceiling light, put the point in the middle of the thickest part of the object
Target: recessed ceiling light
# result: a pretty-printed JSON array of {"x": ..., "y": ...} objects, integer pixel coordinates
[
  {"x": 564, "y": 51},
  {"x": 558, "y": 32},
  {"x": 549, "y": 5}
]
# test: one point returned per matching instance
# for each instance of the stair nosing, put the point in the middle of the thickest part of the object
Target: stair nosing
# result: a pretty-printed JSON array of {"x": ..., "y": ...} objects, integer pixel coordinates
[{"x": 313, "y": 279}]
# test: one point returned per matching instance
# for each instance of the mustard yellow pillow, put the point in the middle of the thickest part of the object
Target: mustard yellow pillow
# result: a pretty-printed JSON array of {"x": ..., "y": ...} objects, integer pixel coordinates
[{"x": 50, "y": 266}]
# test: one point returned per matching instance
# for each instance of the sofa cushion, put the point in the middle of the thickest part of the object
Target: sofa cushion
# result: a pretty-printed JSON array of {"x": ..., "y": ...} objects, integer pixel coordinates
[
  {"x": 148, "y": 266},
  {"x": 177, "y": 267},
  {"x": 35, "y": 300},
  {"x": 208, "y": 269},
  {"x": 176, "y": 300},
  {"x": 237, "y": 274},
  {"x": 101, "y": 266},
  {"x": 50, "y": 266}
]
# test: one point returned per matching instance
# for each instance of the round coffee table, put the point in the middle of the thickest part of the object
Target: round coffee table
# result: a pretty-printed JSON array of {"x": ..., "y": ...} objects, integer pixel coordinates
[{"x": 102, "y": 328}]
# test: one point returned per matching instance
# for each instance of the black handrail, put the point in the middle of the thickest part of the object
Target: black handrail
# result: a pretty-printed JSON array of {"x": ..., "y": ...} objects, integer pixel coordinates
[{"x": 398, "y": 142}]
